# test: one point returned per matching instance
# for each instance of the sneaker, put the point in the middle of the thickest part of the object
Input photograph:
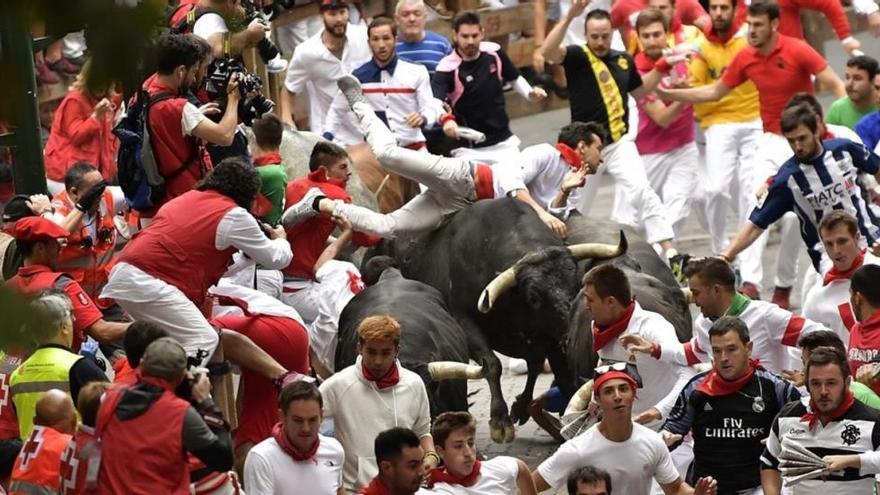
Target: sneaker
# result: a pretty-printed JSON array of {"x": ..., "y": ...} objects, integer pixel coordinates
[
  {"x": 677, "y": 262},
  {"x": 351, "y": 89},
  {"x": 471, "y": 135},
  {"x": 276, "y": 65},
  {"x": 302, "y": 209},
  {"x": 750, "y": 290},
  {"x": 781, "y": 297}
]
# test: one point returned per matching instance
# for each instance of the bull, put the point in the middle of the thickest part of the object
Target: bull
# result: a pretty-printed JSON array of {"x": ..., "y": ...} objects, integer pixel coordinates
[
  {"x": 652, "y": 282},
  {"x": 433, "y": 344},
  {"x": 509, "y": 282}
]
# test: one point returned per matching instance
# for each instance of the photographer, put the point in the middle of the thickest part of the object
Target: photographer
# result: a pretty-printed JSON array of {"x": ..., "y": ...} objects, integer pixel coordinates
[
  {"x": 210, "y": 24},
  {"x": 176, "y": 124},
  {"x": 160, "y": 427}
]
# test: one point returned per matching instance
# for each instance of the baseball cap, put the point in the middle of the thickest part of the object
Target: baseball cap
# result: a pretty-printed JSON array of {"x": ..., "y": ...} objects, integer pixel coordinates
[
  {"x": 17, "y": 208},
  {"x": 164, "y": 358},
  {"x": 38, "y": 229},
  {"x": 333, "y": 4}
]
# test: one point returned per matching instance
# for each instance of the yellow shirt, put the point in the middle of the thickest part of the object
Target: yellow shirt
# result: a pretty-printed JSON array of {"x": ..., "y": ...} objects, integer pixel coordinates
[{"x": 713, "y": 57}]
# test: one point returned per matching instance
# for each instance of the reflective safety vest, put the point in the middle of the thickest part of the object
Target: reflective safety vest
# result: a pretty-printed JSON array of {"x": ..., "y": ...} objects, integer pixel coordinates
[
  {"x": 39, "y": 462},
  {"x": 87, "y": 259},
  {"x": 47, "y": 368},
  {"x": 8, "y": 420}
]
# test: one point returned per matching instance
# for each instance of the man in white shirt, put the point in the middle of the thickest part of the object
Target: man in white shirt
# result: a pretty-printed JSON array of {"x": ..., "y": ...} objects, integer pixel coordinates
[
  {"x": 554, "y": 175},
  {"x": 399, "y": 91},
  {"x": 828, "y": 302},
  {"x": 463, "y": 473},
  {"x": 316, "y": 65},
  {"x": 210, "y": 25},
  {"x": 632, "y": 454},
  {"x": 372, "y": 395},
  {"x": 296, "y": 458}
]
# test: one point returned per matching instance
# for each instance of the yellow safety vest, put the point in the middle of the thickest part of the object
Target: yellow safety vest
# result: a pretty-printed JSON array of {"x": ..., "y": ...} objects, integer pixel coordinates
[{"x": 45, "y": 369}]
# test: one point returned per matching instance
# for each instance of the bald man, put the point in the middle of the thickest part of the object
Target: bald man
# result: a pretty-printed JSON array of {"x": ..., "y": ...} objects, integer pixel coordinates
[{"x": 37, "y": 468}]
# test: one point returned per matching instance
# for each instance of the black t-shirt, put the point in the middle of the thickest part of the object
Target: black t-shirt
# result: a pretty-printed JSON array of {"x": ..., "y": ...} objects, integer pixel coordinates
[
  {"x": 481, "y": 105},
  {"x": 586, "y": 101}
]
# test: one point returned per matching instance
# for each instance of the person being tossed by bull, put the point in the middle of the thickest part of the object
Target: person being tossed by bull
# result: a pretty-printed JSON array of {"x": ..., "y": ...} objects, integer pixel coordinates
[{"x": 452, "y": 183}]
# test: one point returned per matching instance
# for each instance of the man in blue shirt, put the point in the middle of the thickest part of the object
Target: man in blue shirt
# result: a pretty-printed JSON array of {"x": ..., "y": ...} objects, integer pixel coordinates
[
  {"x": 414, "y": 43},
  {"x": 820, "y": 177}
]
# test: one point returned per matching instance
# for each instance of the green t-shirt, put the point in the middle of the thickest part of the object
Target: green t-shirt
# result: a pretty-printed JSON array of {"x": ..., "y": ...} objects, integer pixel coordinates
[
  {"x": 274, "y": 184},
  {"x": 864, "y": 394},
  {"x": 842, "y": 112}
]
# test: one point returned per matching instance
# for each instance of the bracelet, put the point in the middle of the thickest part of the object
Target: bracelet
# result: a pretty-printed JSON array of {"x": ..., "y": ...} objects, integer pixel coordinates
[
  {"x": 446, "y": 117},
  {"x": 433, "y": 454}
]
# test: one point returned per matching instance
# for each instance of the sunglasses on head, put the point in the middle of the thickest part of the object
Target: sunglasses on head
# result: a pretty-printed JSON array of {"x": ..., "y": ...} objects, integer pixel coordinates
[{"x": 623, "y": 366}]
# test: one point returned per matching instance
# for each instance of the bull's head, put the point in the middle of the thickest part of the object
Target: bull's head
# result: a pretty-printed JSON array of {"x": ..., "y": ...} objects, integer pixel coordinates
[{"x": 535, "y": 264}]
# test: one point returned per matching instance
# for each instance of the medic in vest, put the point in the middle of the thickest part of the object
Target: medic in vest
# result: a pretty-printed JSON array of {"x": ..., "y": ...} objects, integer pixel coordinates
[
  {"x": 38, "y": 466},
  {"x": 165, "y": 270},
  {"x": 89, "y": 208},
  {"x": 40, "y": 241}
]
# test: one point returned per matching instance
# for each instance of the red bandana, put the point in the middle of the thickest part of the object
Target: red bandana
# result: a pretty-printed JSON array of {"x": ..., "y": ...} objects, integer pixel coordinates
[
  {"x": 375, "y": 488},
  {"x": 812, "y": 417},
  {"x": 714, "y": 385},
  {"x": 389, "y": 380},
  {"x": 281, "y": 437},
  {"x": 443, "y": 476},
  {"x": 835, "y": 274},
  {"x": 273, "y": 158},
  {"x": 570, "y": 155},
  {"x": 602, "y": 336}
]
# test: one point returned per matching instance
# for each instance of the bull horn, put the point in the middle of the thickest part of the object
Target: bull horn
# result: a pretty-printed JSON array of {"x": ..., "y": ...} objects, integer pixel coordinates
[
  {"x": 499, "y": 285},
  {"x": 688, "y": 295},
  {"x": 599, "y": 251},
  {"x": 581, "y": 399},
  {"x": 452, "y": 370}
]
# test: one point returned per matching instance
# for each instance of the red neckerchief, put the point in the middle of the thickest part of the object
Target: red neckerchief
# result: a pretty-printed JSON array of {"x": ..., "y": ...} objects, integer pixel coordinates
[
  {"x": 835, "y": 274},
  {"x": 375, "y": 488},
  {"x": 643, "y": 62},
  {"x": 443, "y": 476},
  {"x": 714, "y": 385},
  {"x": 569, "y": 155},
  {"x": 812, "y": 417},
  {"x": 273, "y": 158},
  {"x": 391, "y": 378},
  {"x": 281, "y": 437},
  {"x": 603, "y": 335},
  {"x": 320, "y": 175}
]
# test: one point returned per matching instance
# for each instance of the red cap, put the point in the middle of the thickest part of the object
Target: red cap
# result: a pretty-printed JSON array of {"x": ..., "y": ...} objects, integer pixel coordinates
[
  {"x": 333, "y": 4},
  {"x": 38, "y": 229},
  {"x": 612, "y": 375}
]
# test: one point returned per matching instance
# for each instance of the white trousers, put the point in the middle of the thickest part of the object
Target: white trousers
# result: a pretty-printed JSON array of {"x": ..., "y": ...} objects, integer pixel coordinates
[
  {"x": 504, "y": 153},
  {"x": 673, "y": 176},
  {"x": 623, "y": 163},
  {"x": 325, "y": 298}
]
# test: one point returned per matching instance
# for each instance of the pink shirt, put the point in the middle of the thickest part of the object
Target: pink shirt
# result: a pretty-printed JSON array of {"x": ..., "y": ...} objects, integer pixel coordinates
[{"x": 651, "y": 137}]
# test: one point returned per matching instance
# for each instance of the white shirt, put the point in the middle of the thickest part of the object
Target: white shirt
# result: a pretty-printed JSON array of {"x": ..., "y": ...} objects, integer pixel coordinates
[
  {"x": 543, "y": 172},
  {"x": 268, "y": 470},
  {"x": 397, "y": 93},
  {"x": 360, "y": 411},
  {"x": 632, "y": 464},
  {"x": 208, "y": 25},
  {"x": 497, "y": 477},
  {"x": 662, "y": 381},
  {"x": 314, "y": 69},
  {"x": 237, "y": 229}
]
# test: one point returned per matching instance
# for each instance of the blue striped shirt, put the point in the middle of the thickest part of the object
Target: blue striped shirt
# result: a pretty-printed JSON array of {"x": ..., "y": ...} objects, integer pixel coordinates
[
  {"x": 825, "y": 183},
  {"x": 427, "y": 52}
]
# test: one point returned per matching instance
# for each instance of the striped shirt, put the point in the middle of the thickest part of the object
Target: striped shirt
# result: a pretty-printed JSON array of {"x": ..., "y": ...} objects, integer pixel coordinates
[
  {"x": 854, "y": 433},
  {"x": 825, "y": 183},
  {"x": 427, "y": 52}
]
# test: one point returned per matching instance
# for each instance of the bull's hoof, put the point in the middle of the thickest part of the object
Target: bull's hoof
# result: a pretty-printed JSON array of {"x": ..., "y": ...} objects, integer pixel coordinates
[{"x": 501, "y": 431}]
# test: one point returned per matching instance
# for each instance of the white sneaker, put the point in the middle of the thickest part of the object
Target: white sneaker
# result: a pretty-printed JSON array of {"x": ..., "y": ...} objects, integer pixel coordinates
[
  {"x": 471, "y": 135},
  {"x": 276, "y": 65}
]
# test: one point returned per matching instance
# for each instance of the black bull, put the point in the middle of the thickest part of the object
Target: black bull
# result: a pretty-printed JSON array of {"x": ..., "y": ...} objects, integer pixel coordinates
[{"x": 528, "y": 320}]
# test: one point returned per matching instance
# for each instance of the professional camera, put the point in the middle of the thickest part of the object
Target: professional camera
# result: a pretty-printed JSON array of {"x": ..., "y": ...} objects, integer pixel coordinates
[
  {"x": 265, "y": 47},
  {"x": 253, "y": 103}
]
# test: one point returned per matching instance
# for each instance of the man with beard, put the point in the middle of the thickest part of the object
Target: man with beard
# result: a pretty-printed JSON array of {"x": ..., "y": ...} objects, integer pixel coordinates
[
  {"x": 730, "y": 410},
  {"x": 863, "y": 337},
  {"x": 316, "y": 65},
  {"x": 399, "y": 91},
  {"x": 860, "y": 99},
  {"x": 772, "y": 330},
  {"x": 398, "y": 455},
  {"x": 834, "y": 425}
]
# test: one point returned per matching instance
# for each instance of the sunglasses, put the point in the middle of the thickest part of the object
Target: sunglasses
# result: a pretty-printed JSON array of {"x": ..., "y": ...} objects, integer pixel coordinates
[{"x": 623, "y": 366}]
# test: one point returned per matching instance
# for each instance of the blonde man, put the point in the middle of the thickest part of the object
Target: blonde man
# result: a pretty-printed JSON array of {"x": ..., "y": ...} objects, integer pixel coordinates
[{"x": 373, "y": 395}]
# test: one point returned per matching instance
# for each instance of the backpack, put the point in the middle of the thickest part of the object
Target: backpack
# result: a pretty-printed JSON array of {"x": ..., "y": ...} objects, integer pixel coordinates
[{"x": 138, "y": 172}]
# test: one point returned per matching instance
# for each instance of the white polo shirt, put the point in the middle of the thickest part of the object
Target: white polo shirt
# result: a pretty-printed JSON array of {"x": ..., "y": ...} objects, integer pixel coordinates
[
  {"x": 315, "y": 70},
  {"x": 268, "y": 470},
  {"x": 497, "y": 477}
]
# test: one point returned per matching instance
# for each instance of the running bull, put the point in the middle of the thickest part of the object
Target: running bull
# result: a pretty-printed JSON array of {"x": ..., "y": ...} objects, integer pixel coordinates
[{"x": 509, "y": 282}]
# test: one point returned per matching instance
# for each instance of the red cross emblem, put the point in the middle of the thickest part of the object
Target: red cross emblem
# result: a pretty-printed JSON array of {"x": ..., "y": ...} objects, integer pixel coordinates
[{"x": 32, "y": 447}]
